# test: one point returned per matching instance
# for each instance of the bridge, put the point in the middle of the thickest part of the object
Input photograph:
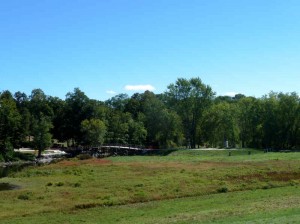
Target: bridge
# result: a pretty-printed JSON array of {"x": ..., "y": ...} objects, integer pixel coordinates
[
  {"x": 116, "y": 149},
  {"x": 108, "y": 150},
  {"x": 121, "y": 146}
]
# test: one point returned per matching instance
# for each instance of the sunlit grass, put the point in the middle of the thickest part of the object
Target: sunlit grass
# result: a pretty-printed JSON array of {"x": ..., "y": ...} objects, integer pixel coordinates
[{"x": 214, "y": 182}]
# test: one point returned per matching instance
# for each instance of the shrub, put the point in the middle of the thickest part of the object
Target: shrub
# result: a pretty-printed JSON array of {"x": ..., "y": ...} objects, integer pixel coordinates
[
  {"x": 23, "y": 197},
  {"x": 140, "y": 196},
  {"x": 108, "y": 203},
  {"x": 269, "y": 186},
  {"x": 24, "y": 156},
  {"x": 84, "y": 156},
  {"x": 77, "y": 185},
  {"x": 59, "y": 184},
  {"x": 87, "y": 206},
  {"x": 222, "y": 190}
]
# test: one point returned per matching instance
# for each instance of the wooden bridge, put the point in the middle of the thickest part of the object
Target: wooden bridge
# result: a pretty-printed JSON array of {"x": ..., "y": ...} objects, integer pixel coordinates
[
  {"x": 121, "y": 146},
  {"x": 116, "y": 149},
  {"x": 108, "y": 150}
]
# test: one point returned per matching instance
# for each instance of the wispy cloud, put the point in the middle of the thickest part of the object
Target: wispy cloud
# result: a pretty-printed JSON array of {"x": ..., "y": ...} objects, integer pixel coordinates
[
  {"x": 139, "y": 87},
  {"x": 231, "y": 94},
  {"x": 111, "y": 92}
]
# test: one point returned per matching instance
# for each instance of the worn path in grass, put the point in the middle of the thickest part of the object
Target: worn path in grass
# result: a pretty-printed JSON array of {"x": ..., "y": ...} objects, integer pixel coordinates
[{"x": 182, "y": 187}]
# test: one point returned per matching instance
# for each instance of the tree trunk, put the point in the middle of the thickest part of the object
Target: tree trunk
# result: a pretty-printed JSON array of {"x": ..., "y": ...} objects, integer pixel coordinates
[{"x": 39, "y": 153}]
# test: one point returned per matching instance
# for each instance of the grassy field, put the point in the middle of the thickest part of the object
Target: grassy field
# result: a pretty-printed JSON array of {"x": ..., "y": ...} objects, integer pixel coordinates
[{"x": 183, "y": 186}]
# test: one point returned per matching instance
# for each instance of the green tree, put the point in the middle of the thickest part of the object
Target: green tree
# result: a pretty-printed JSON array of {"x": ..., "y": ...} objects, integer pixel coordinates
[
  {"x": 42, "y": 139},
  {"x": 58, "y": 107},
  {"x": 288, "y": 119},
  {"x": 249, "y": 116},
  {"x": 118, "y": 127},
  {"x": 96, "y": 109},
  {"x": 75, "y": 113},
  {"x": 23, "y": 106},
  {"x": 94, "y": 131},
  {"x": 135, "y": 104},
  {"x": 281, "y": 120},
  {"x": 221, "y": 125},
  {"x": 189, "y": 98},
  {"x": 39, "y": 104},
  {"x": 10, "y": 121},
  {"x": 164, "y": 126},
  {"x": 136, "y": 132},
  {"x": 118, "y": 102}
]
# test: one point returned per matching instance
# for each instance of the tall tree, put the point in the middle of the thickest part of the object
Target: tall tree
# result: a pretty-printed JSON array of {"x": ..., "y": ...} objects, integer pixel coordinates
[
  {"x": 164, "y": 126},
  {"x": 134, "y": 105},
  {"x": 249, "y": 115},
  {"x": 288, "y": 119},
  {"x": 118, "y": 102},
  {"x": 23, "y": 106},
  {"x": 189, "y": 98},
  {"x": 281, "y": 120},
  {"x": 42, "y": 139},
  {"x": 137, "y": 132},
  {"x": 10, "y": 121},
  {"x": 118, "y": 127},
  {"x": 39, "y": 104},
  {"x": 58, "y": 107},
  {"x": 94, "y": 131},
  {"x": 75, "y": 113},
  {"x": 220, "y": 124}
]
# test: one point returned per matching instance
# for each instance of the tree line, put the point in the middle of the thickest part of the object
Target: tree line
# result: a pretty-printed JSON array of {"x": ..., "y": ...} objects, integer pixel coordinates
[{"x": 187, "y": 114}]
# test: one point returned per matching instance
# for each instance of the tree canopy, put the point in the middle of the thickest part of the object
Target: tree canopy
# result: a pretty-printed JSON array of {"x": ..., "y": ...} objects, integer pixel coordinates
[{"x": 187, "y": 114}]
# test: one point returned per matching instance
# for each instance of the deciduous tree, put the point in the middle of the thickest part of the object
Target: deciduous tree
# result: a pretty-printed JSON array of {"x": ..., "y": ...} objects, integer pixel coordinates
[
  {"x": 93, "y": 131},
  {"x": 189, "y": 98}
]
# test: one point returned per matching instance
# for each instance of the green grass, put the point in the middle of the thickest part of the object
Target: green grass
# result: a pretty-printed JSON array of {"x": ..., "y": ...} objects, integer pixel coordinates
[{"x": 183, "y": 187}]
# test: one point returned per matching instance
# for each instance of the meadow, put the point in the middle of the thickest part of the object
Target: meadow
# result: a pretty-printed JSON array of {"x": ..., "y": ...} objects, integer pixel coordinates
[{"x": 182, "y": 186}]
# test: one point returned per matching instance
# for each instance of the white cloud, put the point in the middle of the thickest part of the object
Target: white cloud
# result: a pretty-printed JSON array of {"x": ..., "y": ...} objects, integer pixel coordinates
[
  {"x": 139, "y": 87},
  {"x": 231, "y": 94},
  {"x": 111, "y": 92}
]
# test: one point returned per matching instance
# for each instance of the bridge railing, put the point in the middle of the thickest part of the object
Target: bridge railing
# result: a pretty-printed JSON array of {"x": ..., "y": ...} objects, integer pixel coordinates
[{"x": 127, "y": 146}]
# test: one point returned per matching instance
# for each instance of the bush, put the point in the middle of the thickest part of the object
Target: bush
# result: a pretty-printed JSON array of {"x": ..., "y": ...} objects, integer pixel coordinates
[
  {"x": 222, "y": 190},
  {"x": 84, "y": 156},
  {"x": 77, "y": 185},
  {"x": 59, "y": 184},
  {"x": 108, "y": 203},
  {"x": 24, "y": 156},
  {"x": 23, "y": 196},
  {"x": 87, "y": 206}
]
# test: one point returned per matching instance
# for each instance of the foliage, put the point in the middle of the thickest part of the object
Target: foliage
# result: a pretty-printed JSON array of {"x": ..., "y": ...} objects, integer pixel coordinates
[
  {"x": 118, "y": 102},
  {"x": 10, "y": 124},
  {"x": 249, "y": 118},
  {"x": 41, "y": 134},
  {"x": 187, "y": 114},
  {"x": 94, "y": 131},
  {"x": 75, "y": 113},
  {"x": 189, "y": 98},
  {"x": 281, "y": 120},
  {"x": 220, "y": 125},
  {"x": 164, "y": 126}
]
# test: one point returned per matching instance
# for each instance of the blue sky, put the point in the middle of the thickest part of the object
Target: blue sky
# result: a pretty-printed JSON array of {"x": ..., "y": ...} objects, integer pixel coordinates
[{"x": 118, "y": 46}]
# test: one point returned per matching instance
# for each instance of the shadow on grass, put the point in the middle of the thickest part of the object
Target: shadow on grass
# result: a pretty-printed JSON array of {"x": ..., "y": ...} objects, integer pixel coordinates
[{"x": 159, "y": 152}]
